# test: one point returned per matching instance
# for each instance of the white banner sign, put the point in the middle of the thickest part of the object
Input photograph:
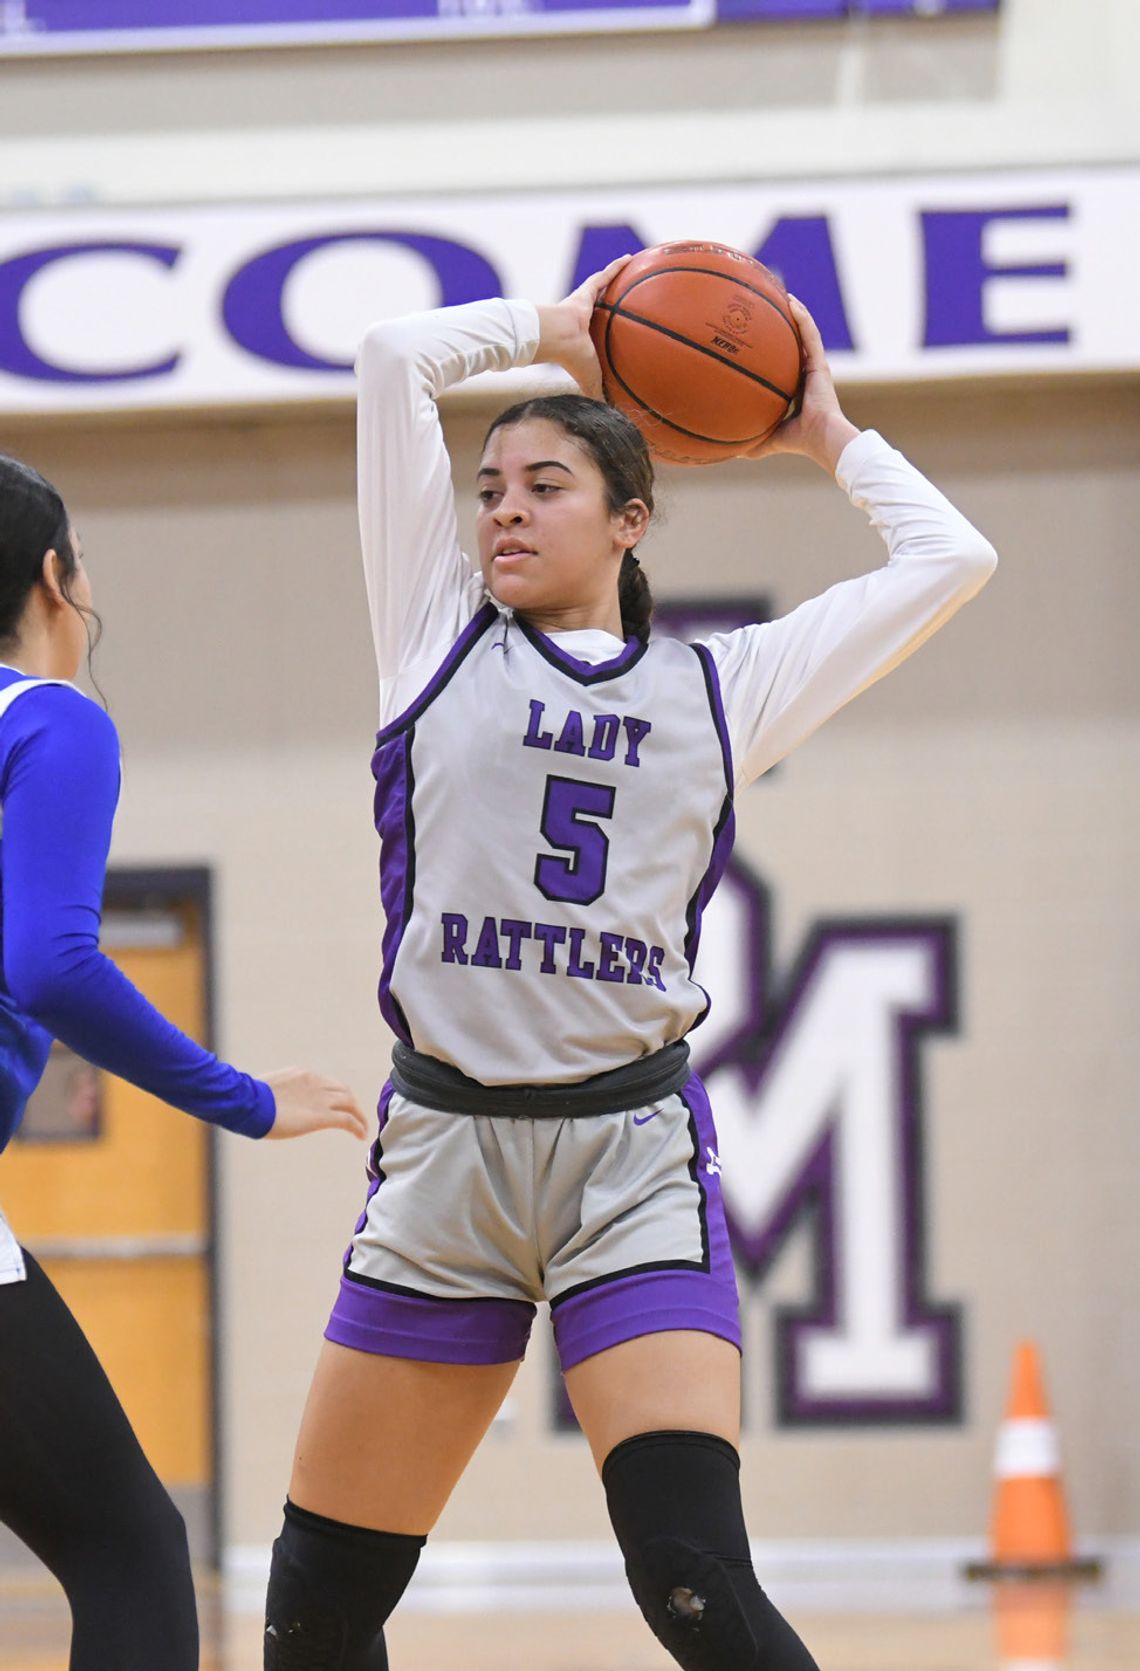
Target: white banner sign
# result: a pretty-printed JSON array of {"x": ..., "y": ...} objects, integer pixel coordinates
[{"x": 945, "y": 277}]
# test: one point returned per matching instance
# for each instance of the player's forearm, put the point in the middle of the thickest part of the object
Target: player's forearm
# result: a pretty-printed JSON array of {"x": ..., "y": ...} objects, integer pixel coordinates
[
  {"x": 414, "y": 571},
  {"x": 559, "y": 334},
  {"x": 835, "y": 436},
  {"x": 915, "y": 520}
]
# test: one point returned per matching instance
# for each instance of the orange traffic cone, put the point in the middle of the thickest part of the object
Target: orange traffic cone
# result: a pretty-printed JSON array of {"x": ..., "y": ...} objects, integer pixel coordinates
[
  {"x": 1029, "y": 1532},
  {"x": 1031, "y": 1625}
]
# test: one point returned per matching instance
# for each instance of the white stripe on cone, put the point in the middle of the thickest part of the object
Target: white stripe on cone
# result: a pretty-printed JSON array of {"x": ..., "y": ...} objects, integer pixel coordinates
[{"x": 1027, "y": 1449}]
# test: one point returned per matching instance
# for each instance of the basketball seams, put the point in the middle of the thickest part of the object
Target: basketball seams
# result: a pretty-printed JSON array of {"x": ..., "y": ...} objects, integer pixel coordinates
[
  {"x": 615, "y": 310},
  {"x": 678, "y": 429},
  {"x": 708, "y": 272}
]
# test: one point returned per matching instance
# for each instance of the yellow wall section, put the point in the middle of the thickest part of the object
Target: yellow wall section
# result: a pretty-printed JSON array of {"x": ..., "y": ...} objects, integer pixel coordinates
[
  {"x": 149, "y": 1323},
  {"x": 147, "y": 1173}
]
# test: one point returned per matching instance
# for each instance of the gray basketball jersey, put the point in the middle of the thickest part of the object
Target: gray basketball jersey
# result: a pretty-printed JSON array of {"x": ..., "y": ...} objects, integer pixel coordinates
[{"x": 550, "y": 834}]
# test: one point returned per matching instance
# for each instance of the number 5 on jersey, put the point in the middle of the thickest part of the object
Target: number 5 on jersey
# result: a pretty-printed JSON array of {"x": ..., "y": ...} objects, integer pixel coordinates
[{"x": 569, "y": 809}]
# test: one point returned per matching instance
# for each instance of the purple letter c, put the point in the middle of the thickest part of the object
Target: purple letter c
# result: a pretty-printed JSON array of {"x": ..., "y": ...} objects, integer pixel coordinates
[{"x": 19, "y": 360}]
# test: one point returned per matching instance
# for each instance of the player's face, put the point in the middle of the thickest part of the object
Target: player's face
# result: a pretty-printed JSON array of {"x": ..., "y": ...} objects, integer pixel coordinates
[{"x": 549, "y": 545}]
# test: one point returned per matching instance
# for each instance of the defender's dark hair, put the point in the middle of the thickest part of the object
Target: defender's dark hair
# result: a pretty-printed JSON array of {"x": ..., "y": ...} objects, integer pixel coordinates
[
  {"x": 33, "y": 521},
  {"x": 618, "y": 448}
]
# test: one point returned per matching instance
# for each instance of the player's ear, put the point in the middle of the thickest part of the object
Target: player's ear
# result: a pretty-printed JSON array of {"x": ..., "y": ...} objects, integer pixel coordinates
[
  {"x": 633, "y": 520},
  {"x": 51, "y": 576}
]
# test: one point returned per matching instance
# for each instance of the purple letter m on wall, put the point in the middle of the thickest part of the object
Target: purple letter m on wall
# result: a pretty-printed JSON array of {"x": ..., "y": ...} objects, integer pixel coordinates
[{"x": 817, "y": 1094}]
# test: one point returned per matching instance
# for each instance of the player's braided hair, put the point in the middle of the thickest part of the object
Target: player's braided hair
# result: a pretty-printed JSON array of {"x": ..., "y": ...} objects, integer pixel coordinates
[
  {"x": 33, "y": 521},
  {"x": 618, "y": 448}
]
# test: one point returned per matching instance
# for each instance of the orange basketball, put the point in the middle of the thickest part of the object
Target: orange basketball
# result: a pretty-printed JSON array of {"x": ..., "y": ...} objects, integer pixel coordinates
[{"x": 698, "y": 346}]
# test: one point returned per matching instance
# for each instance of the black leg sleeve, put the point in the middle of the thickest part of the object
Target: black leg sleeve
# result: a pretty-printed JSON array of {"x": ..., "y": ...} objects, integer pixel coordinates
[
  {"x": 331, "y": 1590},
  {"x": 76, "y": 1487},
  {"x": 674, "y": 1499}
]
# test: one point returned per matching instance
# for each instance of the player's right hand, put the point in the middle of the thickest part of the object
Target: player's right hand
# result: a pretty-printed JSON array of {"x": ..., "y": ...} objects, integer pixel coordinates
[
  {"x": 309, "y": 1102},
  {"x": 564, "y": 331}
]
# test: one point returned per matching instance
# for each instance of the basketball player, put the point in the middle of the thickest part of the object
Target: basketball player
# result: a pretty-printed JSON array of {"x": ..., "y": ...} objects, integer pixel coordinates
[
  {"x": 74, "y": 1483},
  {"x": 554, "y": 802}
]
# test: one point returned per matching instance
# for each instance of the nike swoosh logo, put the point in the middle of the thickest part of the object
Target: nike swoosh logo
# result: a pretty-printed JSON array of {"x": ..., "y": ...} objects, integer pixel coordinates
[{"x": 644, "y": 1119}]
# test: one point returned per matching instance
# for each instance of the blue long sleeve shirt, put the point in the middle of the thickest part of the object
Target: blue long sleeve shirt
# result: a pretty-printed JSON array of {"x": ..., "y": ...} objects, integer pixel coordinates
[{"x": 59, "y": 787}]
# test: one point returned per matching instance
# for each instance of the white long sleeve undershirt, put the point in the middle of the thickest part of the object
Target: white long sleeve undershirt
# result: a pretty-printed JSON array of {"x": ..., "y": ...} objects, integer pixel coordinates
[{"x": 779, "y": 679}]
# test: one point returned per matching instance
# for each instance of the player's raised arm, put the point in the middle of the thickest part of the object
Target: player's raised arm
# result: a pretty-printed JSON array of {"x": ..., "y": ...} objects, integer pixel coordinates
[
  {"x": 783, "y": 678},
  {"x": 421, "y": 588}
]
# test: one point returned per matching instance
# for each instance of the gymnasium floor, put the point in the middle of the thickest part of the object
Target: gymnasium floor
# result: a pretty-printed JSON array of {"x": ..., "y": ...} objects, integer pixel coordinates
[{"x": 1047, "y": 1634}]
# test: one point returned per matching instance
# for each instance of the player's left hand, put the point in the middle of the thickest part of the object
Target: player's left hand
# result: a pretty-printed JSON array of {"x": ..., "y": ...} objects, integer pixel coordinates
[
  {"x": 818, "y": 430},
  {"x": 564, "y": 331}
]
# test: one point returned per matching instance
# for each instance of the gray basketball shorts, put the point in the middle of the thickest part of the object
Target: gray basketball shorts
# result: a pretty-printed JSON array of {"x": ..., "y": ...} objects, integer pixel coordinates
[{"x": 616, "y": 1219}]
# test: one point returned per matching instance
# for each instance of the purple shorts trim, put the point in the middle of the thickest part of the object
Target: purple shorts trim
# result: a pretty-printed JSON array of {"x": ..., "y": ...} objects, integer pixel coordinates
[
  {"x": 649, "y": 1302},
  {"x": 430, "y": 1330}
]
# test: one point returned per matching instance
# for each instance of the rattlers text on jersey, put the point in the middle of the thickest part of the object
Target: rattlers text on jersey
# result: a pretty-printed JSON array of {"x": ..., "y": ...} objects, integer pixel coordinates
[{"x": 550, "y": 833}]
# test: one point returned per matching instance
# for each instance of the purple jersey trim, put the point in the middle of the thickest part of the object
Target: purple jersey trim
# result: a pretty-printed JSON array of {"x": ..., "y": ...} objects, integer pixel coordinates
[
  {"x": 395, "y": 824},
  {"x": 407, "y": 1325},
  {"x": 583, "y": 672},
  {"x": 395, "y": 819},
  {"x": 716, "y": 703},
  {"x": 724, "y": 833},
  {"x": 479, "y": 623}
]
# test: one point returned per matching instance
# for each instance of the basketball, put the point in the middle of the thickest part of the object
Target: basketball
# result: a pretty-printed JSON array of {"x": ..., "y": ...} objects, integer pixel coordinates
[{"x": 698, "y": 346}]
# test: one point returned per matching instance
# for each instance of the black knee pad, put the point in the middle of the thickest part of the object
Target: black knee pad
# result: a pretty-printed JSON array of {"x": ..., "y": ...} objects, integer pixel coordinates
[
  {"x": 331, "y": 1590},
  {"x": 674, "y": 1499},
  {"x": 690, "y": 1605}
]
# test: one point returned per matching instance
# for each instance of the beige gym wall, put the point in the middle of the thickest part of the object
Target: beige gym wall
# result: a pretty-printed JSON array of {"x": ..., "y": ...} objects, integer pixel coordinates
[{"x": 994, "y": 777}]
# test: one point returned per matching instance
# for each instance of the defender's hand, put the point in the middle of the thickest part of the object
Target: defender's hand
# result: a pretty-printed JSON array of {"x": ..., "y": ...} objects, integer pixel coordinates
[{"x": 308, "y": 1102}]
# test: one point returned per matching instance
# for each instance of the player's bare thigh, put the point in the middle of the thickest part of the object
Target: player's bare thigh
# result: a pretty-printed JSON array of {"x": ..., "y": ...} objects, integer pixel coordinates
[
  {"x": 383, "y": 1440},
  {"x": 678, "y": 1380}
]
